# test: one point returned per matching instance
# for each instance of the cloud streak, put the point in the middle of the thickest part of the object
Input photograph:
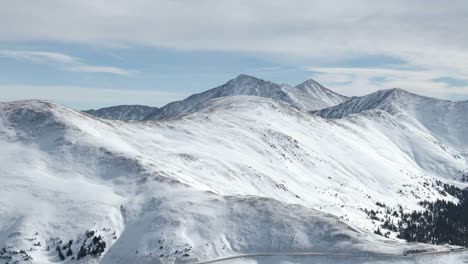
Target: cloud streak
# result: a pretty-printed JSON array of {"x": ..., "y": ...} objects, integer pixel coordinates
[
  {"x": 99, "y": 69},
  {"x": 39, "y": 56},
  {"x": 63, "y": 61}
]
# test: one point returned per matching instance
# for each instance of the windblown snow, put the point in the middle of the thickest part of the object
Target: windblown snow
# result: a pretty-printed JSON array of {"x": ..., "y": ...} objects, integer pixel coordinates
[{"x": 244, "y": 168}]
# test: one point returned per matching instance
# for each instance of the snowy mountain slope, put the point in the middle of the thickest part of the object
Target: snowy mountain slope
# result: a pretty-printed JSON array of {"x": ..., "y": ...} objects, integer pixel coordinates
[
  {"x": 241, "y": 85},
  {"x": 200, "y": 225},
  {"x": 307, "y": 96},
  {"x": 445, "y": 120},
  {"x": 211, "y": 183},
  {"x": 123, "y": 112},
  {"x": 73, "y": 191}
]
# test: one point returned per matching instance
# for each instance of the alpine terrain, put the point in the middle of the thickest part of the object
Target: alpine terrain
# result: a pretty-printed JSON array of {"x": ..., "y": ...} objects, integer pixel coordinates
[
  {"x": 248, "y": 172},
  {"x": 123, "y": 112}
]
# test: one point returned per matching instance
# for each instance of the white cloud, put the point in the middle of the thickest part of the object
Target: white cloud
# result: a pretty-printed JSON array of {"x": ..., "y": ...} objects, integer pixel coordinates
[
  {"x": 361, "y": 81},
  {"x": 64, "y": 61},
  {"x": 87, "y": 97},
  {"x": 304, "y": 28},
  {"x": 39, "y": 56},
  {"x": 99, "y": 69}
]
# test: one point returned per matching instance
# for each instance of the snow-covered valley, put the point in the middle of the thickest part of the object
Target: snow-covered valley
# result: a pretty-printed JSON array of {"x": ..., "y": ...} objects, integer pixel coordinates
[{"x": 248, "y": 167}]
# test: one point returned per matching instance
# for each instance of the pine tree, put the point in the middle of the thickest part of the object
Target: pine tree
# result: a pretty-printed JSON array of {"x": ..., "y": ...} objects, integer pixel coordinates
[
  {"x": 60, "y": 254},
  {"x": 82, "y": 253}
]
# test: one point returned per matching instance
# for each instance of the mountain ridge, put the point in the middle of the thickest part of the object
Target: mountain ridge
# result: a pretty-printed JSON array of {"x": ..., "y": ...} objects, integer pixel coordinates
[
  {"x": 123, "y": 112},
  {"x": 445, "y": 119},
  {"x": 308, "y": 95}
]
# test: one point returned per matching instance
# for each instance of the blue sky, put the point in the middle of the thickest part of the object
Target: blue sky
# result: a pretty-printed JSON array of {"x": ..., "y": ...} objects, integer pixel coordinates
[
  {"x": 88, "y": 54},
  {"x": 175, "y": 73}
]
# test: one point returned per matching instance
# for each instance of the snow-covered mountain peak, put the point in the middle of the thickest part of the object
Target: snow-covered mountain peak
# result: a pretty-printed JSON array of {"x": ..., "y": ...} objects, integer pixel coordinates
[
  {"x": 308, "y": 96},
  {"x": 315, "y": 89},
  {"x": 311, "y": 97},
  {"x": 309, "y": 83},
  {"x": 248, "y": 85},
  {"x": 244, "y": 79},
  {"x": 445, "y": 120},
  {"x": 391, "y": 100}
]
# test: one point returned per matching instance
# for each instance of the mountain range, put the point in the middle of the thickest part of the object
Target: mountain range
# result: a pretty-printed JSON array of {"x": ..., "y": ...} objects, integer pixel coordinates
[
  {"x": 308, "y": 95},
  {"x": 250, "y": 167}
]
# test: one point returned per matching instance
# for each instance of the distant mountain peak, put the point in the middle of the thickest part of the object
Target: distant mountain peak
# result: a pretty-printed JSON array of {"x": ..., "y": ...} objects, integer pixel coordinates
[
  {"x": 392, "y": 91},
  {"x": 308, "y": 82},
  {"x": 309, "y": 95},
  {"x": 247, "y": 77},
  {"x": 247, "y": 81},
  {"x": 390, "y": 100}
]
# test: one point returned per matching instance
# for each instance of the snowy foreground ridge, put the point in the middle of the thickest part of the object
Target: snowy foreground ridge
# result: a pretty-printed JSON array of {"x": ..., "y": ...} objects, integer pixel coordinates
[{"x": 249, "y": 167}]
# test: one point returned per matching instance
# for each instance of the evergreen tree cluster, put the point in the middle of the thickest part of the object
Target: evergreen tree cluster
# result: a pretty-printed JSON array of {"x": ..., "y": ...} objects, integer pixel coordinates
[
  {"x": 95, "y": 248},
  {"x": 442, "y": 222},
  {"x": 464, "y": 176},
  {"x": 60, "y": 254},
  {"x": 14, "y": 256}
]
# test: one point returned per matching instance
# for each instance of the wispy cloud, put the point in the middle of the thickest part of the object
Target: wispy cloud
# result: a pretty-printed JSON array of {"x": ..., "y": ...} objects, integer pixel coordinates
[
  {"x": 99, "y": 69},
  {"x": 39, "y": 56},
  {"x": 62, "y": 61},
  {"x": 360, "y": 81}
]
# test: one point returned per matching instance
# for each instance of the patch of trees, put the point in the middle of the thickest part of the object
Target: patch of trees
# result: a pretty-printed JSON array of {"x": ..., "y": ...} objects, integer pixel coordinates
[
  {"x": 94, "y": 248},
  {"x": 66, "y": 248},
  {"x": 442, "y": 222},
  {"x": 60, "y": 254},
  {"x": 464, "y": 176},
  {"x": 14, "y": 255}
]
